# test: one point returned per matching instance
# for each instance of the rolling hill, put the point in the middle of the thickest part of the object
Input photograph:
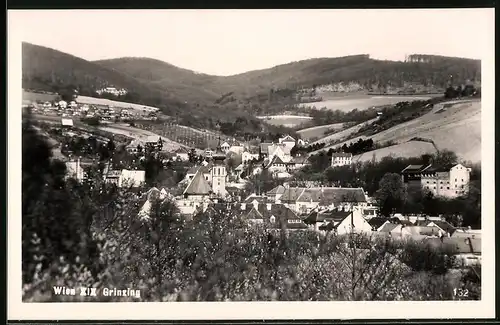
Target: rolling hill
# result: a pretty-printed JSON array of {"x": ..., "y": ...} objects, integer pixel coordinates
[
  {"x": 200, "y": 96},
  {"x": 456, "y": 128},
  {"x": 47, "y": 69},
  {"x": 299, "y": 74}
]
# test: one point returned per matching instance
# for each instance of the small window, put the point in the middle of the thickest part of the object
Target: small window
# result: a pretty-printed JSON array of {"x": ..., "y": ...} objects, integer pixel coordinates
[
  {"x": 272, "y": 219},
  {"x": 448, "y": 188}
]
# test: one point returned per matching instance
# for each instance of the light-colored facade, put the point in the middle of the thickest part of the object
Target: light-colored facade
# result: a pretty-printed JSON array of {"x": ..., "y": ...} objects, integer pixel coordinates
[
  {"x": 341, "y": 159},
  {"x": 132, "y": 178},
  {"x": 247, "y": 156},
  {"x": 288, "y": 141},
  {"x": 219, "y": 175},
  {"x": 354, "y": 223},
  {"x": 452, "y": 183}
]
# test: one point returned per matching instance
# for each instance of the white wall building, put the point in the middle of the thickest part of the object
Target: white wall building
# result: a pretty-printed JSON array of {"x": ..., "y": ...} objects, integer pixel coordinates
[
  {"x": 132, "y": 178},
  {"x": 341, "y": 159},
  {"x": 446, "y": 181}
]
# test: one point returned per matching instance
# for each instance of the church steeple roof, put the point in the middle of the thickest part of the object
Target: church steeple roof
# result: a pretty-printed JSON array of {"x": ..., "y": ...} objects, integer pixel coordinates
[{"x": 219, "y": 154}]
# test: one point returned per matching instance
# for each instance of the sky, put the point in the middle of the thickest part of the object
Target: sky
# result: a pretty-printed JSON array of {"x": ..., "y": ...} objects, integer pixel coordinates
[{"x": 226, "y": 42}]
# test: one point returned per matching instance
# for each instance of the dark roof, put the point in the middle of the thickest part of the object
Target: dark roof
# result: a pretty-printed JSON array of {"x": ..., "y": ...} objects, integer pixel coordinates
[
  {"x": 446, "y": 226},
  {"x": 276, "y": 160},
  {"x": 264, "y": 147},
  {"x": 258, "y": 198},
  {"x": 328, "y": 216},
  {"x": 406, "y": 222},
  {"x": 422, "y": 222},
  {"x": 410, "y": 169},
  {"x": 281, "y": 213},
  {"x": 456, "y": 245},
  {"x": 198, "y": 185},
  {"x": 287, "y": 139},
  {"x": 377, "y": 222},
  {"x": 299, "y": 160},
  {"x": 253, "y": 150},
  {"x": 439, "y": 168},
  {"x": 280, "y": 189},
  {"x": 324, "y": 195},
  {"x": 341, "y": 154},
  {"x": 388, "y": 227},
  {"x": 182, "y": 150},
  {"x": 202, "y": 169}
]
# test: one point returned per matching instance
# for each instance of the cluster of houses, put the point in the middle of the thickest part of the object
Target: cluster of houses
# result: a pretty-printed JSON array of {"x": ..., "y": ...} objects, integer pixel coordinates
[
  {"x": 123, "y": 178},
  {"x": 449, "y": 181},
  {"x": 327, "y": 210},
  {"x": 113, "y": 91}
]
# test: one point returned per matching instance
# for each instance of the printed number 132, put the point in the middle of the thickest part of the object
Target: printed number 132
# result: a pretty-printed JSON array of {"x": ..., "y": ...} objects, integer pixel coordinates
[{"x": 461, "y": 293}]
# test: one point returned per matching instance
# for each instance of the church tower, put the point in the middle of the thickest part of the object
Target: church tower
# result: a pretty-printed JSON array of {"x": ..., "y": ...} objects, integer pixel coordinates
[{"x": 219, "y": 172}]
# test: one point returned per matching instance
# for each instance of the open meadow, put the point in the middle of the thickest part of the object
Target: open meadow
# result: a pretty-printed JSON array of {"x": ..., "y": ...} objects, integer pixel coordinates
[
  {"x": 454, "y": 126},
  {"x": 319, "y": 131},
  {"x": 38, "y": 97},
  {"x": 285, "y": 120},
  {"x": 348, "y": 103}
]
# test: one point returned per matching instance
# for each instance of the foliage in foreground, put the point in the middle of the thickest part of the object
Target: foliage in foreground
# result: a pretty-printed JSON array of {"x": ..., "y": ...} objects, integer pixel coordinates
[{"x": 97, "y": 239}]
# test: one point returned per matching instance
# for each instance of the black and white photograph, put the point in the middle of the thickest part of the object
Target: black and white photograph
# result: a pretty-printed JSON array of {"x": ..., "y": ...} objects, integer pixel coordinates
[{"x": 312, "y": 156}]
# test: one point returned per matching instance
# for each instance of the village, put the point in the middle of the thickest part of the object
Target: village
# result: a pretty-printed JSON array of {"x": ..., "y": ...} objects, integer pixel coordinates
[{"x": 220, "y": 174}]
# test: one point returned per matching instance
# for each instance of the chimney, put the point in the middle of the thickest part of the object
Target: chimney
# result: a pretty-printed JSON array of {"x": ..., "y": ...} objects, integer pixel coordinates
[
  {"x": 243, "y": 206},
  {"x": 269, "y": 206}
]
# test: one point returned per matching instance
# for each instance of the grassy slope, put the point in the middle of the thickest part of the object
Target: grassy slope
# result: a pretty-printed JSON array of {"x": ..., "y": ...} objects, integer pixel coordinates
[
  {"x": 458, "y": 128},
  {"x": 319, "y": 131}
]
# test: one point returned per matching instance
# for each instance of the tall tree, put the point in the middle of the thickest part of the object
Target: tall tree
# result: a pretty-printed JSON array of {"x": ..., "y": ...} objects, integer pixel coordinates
[{"x": 391, "y": 194}]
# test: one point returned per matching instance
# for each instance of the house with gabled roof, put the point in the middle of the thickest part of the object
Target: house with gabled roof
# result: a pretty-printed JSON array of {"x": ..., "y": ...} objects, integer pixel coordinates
[
  {"x": 338, "y": 221},
  {"x": 198, "y": 188},
  {"x": 145, "y": 202},
  {"x": 297, "y": 163},
  {"x": 249, "y": 155},
  {"x": 272, "y": 216},
  {"x": 205, "y": 170},
  {"x": 448, "y": 181},
  {"x": 225, "y": 147},
  {"x": 276, "y": 193},
  {"x": 304, "y": 200},
  {"x": 466, "y": 252},
  {"x": 412, "y": 174},
  {"x": 378, "y": 223},
  {"x": 276, "y": 165},
  {"x": 182, "y": 154},
  {"x": 288, "y": 141},
  {"x": 445, "y": 226}
]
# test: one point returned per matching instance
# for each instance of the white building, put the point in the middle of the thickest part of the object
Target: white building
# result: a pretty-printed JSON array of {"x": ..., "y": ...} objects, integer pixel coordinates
[
  {"x": 62, "y": 104},
  {"x": 447, "y": 181},
  {"x": 132, "y": 178},
  {"x": 339, "y": 221},
  {"x": 248, "y": 156},
  {"x": 75, "y": 170},
  {"x": 288, "y": 141},
  {"x": 341, "y": 159}
]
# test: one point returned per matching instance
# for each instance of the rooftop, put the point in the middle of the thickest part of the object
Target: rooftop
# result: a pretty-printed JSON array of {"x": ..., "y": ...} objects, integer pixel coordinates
[{"x": 198, "y": 185}]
